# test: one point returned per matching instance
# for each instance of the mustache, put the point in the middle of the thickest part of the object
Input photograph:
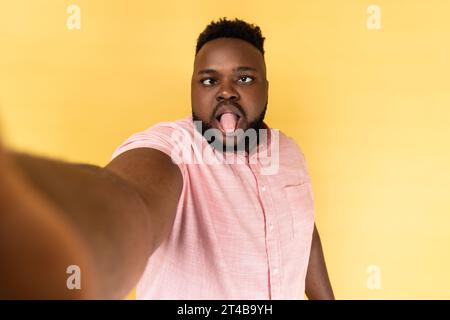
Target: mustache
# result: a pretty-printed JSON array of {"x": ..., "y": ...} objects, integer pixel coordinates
[
  {"x": 229, "y": 102},
  {"x": 256, "y": 124}
]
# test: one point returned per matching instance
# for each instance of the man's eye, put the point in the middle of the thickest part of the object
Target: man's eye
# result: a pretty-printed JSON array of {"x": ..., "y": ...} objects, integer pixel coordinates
[
  {"x": 245, "y": 79},
  {"x": 208, "y": 81}
]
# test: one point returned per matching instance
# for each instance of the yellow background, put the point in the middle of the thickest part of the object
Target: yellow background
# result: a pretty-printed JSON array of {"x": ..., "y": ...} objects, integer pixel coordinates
[{"x": 370, "y": 109}]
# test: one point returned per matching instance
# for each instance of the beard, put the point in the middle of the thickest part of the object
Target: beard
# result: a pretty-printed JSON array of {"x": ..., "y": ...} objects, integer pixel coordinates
[{"x": 255, "y": 125}]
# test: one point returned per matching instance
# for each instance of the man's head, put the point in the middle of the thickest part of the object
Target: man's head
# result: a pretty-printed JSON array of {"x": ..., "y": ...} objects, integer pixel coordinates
[{"x": 229, "y": 89}]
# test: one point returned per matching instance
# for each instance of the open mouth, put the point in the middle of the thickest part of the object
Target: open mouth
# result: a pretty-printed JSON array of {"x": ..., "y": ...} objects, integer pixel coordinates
[
  {"x": 228, "y": 119},
  {"x": 228, "y": 122}
]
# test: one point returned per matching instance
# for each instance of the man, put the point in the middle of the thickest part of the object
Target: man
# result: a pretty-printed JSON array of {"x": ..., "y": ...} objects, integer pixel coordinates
[{"x": 187, "y": 210}]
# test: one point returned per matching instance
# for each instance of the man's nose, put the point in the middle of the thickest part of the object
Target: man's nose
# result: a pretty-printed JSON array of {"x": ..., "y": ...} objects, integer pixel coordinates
[{"x": 227, "y": 92}]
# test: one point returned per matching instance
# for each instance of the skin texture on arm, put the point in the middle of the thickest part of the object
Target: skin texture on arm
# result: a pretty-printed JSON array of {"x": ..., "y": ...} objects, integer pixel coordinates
[
  {"x": 318, "y": 286},
  {"x": 117, "y": 216},
  {"x": 36, "y": 241},
  {"x": 158, "y": 181}
]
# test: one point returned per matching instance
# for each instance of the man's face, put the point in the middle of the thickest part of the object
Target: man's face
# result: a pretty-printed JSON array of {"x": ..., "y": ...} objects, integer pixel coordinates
[{"x": 229, "y": 89}]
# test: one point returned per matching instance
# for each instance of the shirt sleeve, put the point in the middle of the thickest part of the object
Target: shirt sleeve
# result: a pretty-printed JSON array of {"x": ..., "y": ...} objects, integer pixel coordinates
[{"x": 159, "y": 137}]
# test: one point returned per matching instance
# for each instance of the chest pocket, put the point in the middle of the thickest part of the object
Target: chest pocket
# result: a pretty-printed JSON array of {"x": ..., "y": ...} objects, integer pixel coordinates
[{"x": 301, "y": 206}]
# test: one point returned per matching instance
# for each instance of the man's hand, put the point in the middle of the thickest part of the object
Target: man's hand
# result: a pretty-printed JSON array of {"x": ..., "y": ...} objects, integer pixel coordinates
[
  {"x": 318, "y": 286},
  {"x": 36, "y": 244},
  {"x": 106, "y": 221}
]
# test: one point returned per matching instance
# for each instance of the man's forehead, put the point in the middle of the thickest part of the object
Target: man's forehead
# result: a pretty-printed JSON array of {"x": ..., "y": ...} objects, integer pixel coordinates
[
  {"x": 230, "y": 54},
  {"x": 238, "y": 68}
]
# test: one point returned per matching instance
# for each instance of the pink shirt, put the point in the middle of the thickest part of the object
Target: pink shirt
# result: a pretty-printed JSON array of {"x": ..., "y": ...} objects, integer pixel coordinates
[{"x": 240, "y": 232}]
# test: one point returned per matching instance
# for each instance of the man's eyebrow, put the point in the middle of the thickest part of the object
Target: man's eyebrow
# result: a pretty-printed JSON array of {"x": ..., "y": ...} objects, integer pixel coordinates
[
  {"x": 207, "y": 71},
  {"x": 246, "y": 69},
  {"x": 242, "y": 68}
]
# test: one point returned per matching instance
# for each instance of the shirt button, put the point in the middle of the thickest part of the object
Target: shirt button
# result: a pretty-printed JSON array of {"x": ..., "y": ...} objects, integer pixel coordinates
[
  {"x": 271, "y": 227},
  {"x": 275, "y": 271},
  {"x": 263, "y": 188}
]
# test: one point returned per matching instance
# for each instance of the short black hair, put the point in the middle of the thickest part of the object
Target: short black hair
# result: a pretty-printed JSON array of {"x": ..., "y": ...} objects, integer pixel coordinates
[{"x": 236, "y": 28}]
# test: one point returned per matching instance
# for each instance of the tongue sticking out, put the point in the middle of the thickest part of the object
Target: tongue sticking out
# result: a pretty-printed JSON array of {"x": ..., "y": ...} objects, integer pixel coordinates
[{"x": 228, "y": 122}]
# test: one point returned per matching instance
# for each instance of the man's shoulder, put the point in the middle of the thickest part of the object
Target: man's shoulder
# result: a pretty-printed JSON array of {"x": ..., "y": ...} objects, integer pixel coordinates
[
  {"x": 161, "y": 136},
  {"x": 286, "y": 142},
  {"x": 291, "y": 151},
  {"x": 168, "y": 127}
]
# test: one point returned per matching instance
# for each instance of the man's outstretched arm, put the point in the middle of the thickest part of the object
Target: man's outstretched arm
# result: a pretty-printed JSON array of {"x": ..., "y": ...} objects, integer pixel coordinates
[
  {"x": 107, "y": 220},
  {"x": 318, "y": 286}
]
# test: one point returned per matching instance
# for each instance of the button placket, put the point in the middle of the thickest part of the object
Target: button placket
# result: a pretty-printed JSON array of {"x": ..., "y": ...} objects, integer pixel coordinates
[
  {"x": 272, "y": 245},
  {"x": 272, "y": 241}
]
